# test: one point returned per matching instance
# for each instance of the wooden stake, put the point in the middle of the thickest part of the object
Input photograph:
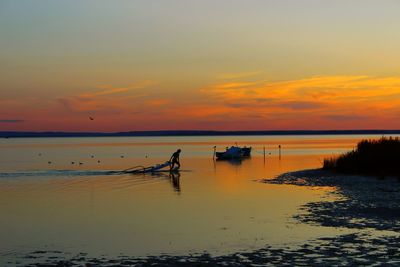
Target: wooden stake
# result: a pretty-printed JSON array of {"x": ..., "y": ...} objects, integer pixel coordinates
[
  {"x": 279, "y": 151},
  {"x": 215, "y": 148}
]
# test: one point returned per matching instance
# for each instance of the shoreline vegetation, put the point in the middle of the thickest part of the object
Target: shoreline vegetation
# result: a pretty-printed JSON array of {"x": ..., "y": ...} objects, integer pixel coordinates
[
  {"x": 371, "y": 157},
  {"x": 21, "y": 134}
]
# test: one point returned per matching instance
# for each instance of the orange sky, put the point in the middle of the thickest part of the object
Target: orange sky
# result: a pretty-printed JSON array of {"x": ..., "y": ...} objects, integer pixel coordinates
[
  {"x": 321, "y": 102},
  {"x": 272, "y": 65}
]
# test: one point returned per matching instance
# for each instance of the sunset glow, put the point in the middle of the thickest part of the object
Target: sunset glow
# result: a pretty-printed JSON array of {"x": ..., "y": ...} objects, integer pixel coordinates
[{"x": 269, "y": 65}]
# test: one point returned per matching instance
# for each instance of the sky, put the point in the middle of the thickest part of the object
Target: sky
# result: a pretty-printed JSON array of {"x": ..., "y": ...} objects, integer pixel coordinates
[{"x": 199, "y": 65}]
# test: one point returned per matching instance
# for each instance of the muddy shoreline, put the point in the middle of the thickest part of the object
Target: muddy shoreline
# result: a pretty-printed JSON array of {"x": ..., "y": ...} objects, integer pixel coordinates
[{"x": 364, "y": 201}]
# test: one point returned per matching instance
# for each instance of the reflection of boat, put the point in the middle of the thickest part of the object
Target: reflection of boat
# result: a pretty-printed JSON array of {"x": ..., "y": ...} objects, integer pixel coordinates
[
  {"x": 246, "y": 151},
  {"x": 234, "y": 152},
  {"x": 234, "y": 162}
]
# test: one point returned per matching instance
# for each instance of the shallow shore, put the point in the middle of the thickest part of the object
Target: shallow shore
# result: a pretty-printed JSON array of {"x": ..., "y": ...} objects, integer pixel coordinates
[
  {"x": 351, "y": 249},
  {"x": 364, "y": 201},
  {"x": 368, "y": 205}
]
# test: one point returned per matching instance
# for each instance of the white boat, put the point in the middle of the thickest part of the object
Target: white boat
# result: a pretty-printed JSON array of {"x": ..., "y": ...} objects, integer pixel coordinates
[{"x": 233, "y": 152}]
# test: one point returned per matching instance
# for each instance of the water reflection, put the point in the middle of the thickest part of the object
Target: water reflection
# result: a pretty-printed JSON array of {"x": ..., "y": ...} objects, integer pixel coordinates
[
  {"x": 172, "y": 177},
  {"x": 175, "y": 181},
  {"x": 127, "y": 214},
  {"x": 234, "y": 162}
]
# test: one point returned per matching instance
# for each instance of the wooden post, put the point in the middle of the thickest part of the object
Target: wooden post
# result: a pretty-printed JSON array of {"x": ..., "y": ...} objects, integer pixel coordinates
[
  {"x": 215, "y": 148},
  {"x": 279, "y": 151},
  {"x": 264, "y": 153}
]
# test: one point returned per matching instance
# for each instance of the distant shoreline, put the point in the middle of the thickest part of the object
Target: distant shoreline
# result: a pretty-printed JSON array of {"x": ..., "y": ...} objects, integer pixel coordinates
[{"x": 17, "y": 134}]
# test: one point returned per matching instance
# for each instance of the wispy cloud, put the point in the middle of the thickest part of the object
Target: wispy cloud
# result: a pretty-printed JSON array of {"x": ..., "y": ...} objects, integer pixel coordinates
[
  {"x": 324, "y": 100},
  {"x": 239, "y": 75},
  {"x": 109, "y": 100},
  {"x": 158, "y": 102},
  {"x": 331, "y": 89},
  {"x": 301, "y": 105},
  {"x": 109, "y": 89},
  {"x": 11, "y": 121},
  {"x": 345, "y": 117}
]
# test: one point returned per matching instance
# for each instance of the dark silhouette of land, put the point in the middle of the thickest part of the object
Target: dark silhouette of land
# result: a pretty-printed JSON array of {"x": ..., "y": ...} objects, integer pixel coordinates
[
  {"x": 371, "y": 157},
  {"x": 14, "y": 134}
]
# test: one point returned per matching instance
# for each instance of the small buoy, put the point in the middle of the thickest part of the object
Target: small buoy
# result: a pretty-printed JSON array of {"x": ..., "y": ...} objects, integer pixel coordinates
[
  {"x": 49, "y": 162},
  {"x": 72, "y": 162},
  {"x": 98, "y": 161},
  {"x": 122, "y": 157},
  {"x": 80, "y": 163},
  {"x": 92, "y": 156}
]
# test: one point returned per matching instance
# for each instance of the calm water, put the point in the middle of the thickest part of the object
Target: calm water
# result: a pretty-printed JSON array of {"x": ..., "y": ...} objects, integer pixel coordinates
[{"x": 218, "y": 207}]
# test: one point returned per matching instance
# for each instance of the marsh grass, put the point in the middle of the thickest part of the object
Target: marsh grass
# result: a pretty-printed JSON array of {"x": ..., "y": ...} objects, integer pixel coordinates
[{"x": 372, "y": 157}]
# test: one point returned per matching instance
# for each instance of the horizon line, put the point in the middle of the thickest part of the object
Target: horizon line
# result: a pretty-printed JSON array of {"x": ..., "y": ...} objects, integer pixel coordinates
[{"x": 21, "y": 134}]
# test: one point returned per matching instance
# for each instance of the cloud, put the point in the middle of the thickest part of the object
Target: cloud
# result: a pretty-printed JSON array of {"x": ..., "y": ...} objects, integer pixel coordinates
[
  {"x": 333, "y": 101},
  {"x": 158, "y": 102},
  {"x": 11, "y": 121},
  {"x": 345, "y": 117},
  {"x": 235, "y": 85},
  {"x": 301, "y": 105},
  {"x": 321, "y": 102},
  {"x": 240, "y": 75},
  {"x": 302, "y": 93},
  {"x": 109, "y": 89},
  {"x": 109, "y": 100},
  {"x": 315, "y": 102}
]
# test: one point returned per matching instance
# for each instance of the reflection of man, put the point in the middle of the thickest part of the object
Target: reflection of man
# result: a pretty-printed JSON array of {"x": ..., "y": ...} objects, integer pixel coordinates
[
  {"x": 175, "y": 181},
  {"x": 175, "y": 160}
]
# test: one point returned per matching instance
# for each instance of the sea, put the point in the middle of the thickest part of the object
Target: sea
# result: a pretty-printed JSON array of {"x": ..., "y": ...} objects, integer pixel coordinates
[{"x": 65, "y": 195}]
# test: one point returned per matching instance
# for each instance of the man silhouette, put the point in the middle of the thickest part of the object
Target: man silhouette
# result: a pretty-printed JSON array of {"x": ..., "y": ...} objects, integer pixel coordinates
[{"x": 175, "y": 160}]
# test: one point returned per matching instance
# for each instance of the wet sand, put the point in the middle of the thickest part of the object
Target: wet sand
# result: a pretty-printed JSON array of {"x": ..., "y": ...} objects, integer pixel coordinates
[
  {"x": 351, "y": 249},
  {"x": 364, "y": 201}
]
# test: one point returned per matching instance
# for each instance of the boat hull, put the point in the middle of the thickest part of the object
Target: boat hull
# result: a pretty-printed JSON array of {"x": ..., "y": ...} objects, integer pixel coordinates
[
  {"x": 234, "y": 153},
  {"x": 224, "y": 155}
]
